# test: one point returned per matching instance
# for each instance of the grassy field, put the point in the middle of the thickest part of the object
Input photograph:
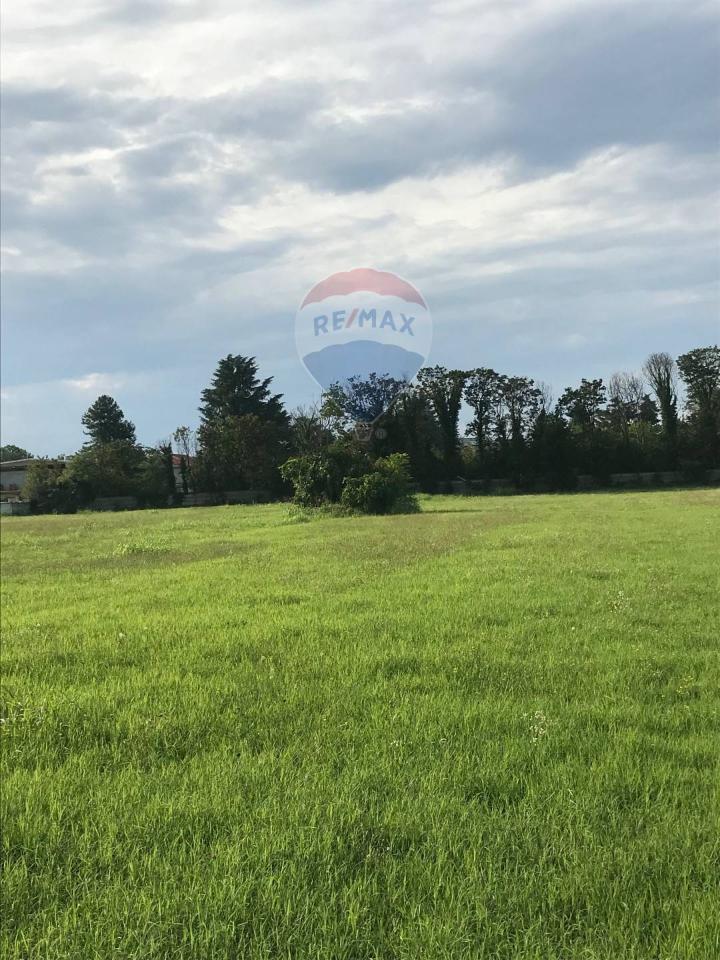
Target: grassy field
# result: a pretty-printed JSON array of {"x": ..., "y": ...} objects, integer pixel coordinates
[{"x": 488, "y": 730}]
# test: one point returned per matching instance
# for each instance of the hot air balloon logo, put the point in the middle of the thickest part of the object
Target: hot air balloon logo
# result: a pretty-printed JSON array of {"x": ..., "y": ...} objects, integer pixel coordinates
[{"x": 364, "y": 325}]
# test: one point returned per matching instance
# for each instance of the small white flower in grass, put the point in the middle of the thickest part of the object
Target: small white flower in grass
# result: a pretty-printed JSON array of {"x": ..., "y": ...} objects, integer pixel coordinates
[
  {"x": 619, "y": 600},
  {"x": 539, "y": 726},
  {"x": 687, "y": 687}
]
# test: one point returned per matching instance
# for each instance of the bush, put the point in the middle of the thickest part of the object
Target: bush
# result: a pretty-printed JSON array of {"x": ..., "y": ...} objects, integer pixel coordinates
[
  {"x": 318, "y": 478},
  {"x": 105, "y": 470},
  {"x": 344, "y": 474},
  {"x": 240, "y": 453},
  {"x": 386, "y": 489},
  {"x": 120, "y": 469},
  {"x": 154, "y": 479},
  {"x": 47, "y": 489},
  {"x": 372, "y": 493}
]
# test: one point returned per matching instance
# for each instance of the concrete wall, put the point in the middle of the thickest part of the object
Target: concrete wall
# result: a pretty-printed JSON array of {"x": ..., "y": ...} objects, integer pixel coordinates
[
  {"x": 17, "y": 508},
  {"x": 246, "y": 496},
  {"x": 229, "y": 496},
  {"x": 114, "y": 503},
  {"x": 662, "y": 478}
]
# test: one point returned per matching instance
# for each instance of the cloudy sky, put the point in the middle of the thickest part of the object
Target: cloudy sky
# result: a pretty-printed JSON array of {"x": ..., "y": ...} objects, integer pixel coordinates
[{"x": 178, "y": 174}]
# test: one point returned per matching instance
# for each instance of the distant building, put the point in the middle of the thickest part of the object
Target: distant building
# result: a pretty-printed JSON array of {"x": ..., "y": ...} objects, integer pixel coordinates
[
  {"x": 13, "y": 472},
  {"x": 12, "y": 476}
]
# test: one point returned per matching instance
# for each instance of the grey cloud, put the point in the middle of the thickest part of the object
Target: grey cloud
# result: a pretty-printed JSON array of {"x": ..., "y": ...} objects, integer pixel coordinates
[
  {"x": 167, "y": 158},
  {"x": 628, "y": 76},
  {"x": 123, "y": 310},
  {"x": 352, "y": 155},
  {"x": 21, "y": 106},
  {"x": 101, "y": 218},
  {"x": 273, "y": 109},
  {"x": 40, "y": 123},
  {"x": 24, "y": 106},
  {"x": 98, "y": 216}
]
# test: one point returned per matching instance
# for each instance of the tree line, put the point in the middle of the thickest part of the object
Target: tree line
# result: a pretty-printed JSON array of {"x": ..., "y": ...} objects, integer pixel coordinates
[{"x": 515, "y": 429}]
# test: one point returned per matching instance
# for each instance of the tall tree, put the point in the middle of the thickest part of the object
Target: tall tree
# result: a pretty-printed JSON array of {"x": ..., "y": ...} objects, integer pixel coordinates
[
  {"x": 659, "y": 369},
  {"x": 551, "y": 453},
  {"x": 239, "y": 453},
  {"x": 413, "y": 429},
  {"x": 649, "y": 412},
  {"x": 521, "y": 402},
  {"x": 365, "y": 399},
  {"x": 444, "y": 391},
  {"x": 244, "y": 432},
  {"x": 700, "y": 370},
  {"x": 625, "y": 392},
  {"x": 545, "y": 396},
  {"x": 311, "y": 430},
  {"x": 186, "y": 442},
  {"x": 236, "y": 391},
  {"x": 482, "y": 395},
  {"x": 105, "y": 422},
  {"x": 583, "y": 405}
]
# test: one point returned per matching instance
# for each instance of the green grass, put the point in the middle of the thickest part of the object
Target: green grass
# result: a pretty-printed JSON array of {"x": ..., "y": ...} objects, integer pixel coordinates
[{"x": 488, "y": 730}]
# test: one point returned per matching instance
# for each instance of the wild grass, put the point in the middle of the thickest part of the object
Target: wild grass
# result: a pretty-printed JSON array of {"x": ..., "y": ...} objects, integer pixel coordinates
[{"x": 487, "y": 730}]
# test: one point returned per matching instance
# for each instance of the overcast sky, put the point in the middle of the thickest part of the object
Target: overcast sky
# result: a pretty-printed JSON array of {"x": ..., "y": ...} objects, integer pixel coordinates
[{"x": 177, "y": 175}]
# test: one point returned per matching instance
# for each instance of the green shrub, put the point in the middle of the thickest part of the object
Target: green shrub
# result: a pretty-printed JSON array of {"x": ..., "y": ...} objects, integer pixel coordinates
[
  {"x": 318, "y": 478},
  {"x": 386, "y": 489},
  {"x": 47, "y": 489},
  {"x": 343, "y": 474},
  {"x": 372, "y": 493},
  {"x": 105, "y": 470}
]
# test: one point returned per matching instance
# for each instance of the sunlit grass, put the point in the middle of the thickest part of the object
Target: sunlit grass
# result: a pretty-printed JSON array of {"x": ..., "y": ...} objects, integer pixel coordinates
[{"x": 488, "y": 730}]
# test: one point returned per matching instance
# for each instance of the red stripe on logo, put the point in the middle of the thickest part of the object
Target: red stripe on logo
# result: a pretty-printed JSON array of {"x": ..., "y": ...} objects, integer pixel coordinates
[{"x": 365, "y": 279}]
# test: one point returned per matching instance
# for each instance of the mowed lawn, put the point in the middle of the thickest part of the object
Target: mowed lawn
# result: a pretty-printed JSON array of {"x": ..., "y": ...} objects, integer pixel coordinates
[{"x": 488, "y": 730}]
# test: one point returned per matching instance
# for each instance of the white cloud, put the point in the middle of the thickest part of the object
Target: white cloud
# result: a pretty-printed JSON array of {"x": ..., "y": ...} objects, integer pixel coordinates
[{"x": 96, "y": 382}]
